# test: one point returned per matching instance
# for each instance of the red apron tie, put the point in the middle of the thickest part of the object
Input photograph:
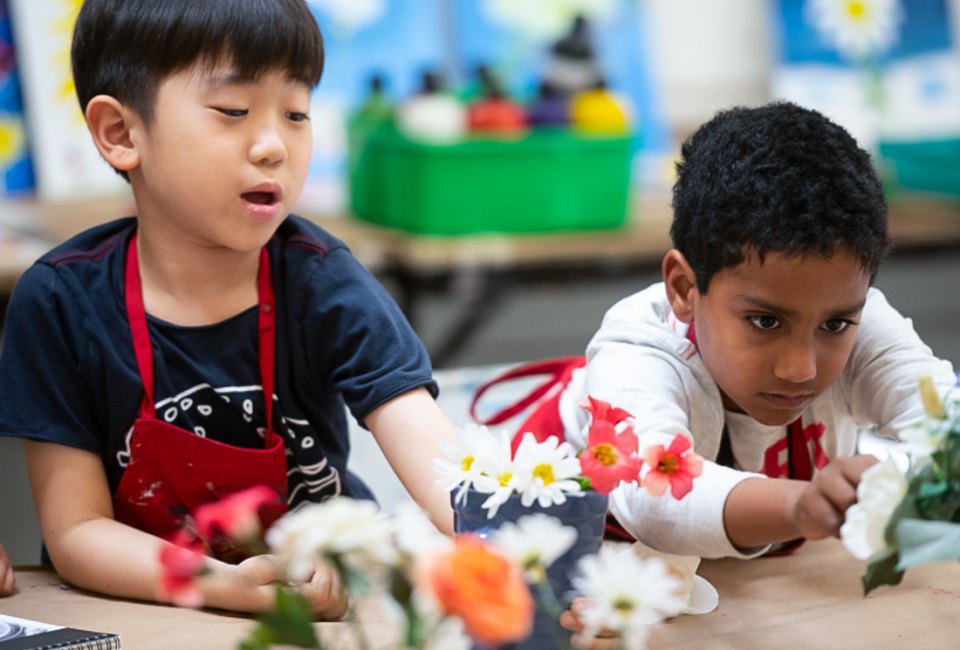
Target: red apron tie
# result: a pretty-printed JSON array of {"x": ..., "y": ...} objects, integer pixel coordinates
[{"x": 172, "y": 471}]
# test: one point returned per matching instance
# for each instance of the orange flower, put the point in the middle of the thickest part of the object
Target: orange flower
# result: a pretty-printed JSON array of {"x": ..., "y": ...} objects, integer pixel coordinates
[
  {"x": 483, "y": 589},
  {"x": 675, "y": 466}
]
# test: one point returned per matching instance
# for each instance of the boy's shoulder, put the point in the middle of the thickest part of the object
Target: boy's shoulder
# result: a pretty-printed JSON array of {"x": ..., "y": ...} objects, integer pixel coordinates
[
  {"x": 91, "y": 245},
  {"x": 299, "y": 234}
]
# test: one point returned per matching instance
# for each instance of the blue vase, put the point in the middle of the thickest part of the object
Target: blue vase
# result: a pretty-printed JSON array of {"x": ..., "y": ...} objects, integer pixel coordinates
[{"x": 585, "y": 513}]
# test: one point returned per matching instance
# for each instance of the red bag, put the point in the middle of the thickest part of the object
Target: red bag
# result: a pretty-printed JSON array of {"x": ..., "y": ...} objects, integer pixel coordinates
[{"x": 544, "y": 421}]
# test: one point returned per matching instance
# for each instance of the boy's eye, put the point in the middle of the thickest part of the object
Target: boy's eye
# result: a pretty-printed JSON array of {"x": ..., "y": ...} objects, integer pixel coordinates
[
  {"x": 233, "y": 112},
  {"x": 837, "y": 325},
  {"x": 296, "y": 116},
  {"x": 764, "y": 322}
]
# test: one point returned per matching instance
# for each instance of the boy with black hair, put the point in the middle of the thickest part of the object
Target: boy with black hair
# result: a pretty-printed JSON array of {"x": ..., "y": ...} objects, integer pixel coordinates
[
  {"x": 765, "y": 343},
  {"x": 210, "y": 343}
]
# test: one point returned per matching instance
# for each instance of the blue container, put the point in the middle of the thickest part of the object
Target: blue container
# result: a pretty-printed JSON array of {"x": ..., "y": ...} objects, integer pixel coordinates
[{"x": 585, "y": 513}]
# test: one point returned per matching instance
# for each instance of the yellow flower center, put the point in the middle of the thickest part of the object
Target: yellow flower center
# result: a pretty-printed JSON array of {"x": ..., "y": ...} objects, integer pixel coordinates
[
  {"x": 669, "y": 464},
  {"x": 857, "y": 10},
  {"x": 605, "y": 454},
  {"x": 466, "y": 463},
  {"x": 544, "y": 472},
  {"x": 623, "y": 605},
  {"x": 505, "y": 479}
]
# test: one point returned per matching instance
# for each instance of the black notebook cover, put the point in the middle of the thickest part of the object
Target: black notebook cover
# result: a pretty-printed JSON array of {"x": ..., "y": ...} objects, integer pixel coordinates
[{"x": 24, "y": 634}]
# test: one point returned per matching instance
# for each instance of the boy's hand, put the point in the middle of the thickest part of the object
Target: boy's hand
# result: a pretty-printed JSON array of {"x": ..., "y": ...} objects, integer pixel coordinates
[
  {"x": 822, "y": 504},
  {"x": 323, "y": 590},
  {"x": 7, "y": 579},
  {"x": 604, "y": 640}
]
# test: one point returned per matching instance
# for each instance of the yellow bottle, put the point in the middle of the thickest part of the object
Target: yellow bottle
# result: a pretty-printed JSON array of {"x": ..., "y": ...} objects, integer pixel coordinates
[{"x": 599, "y": 111}]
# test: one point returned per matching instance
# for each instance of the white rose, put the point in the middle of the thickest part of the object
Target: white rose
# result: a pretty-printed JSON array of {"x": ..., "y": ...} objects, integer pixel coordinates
[{"x": 880, "y": 491}]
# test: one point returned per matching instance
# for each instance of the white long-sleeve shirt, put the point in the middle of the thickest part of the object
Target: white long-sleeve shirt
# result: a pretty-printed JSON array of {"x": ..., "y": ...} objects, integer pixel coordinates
[{"x": 641, "y": 360}]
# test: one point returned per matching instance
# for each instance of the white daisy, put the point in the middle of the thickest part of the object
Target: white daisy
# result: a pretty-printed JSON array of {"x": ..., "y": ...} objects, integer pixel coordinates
[
  {"x": 541, "y": 21},
  {"x": 856, "y": 28},
  {"x": 535, "y": 542},
  {"x": 350, "y": 529},
  {"x": 497, "y": 477},
  {"x": 415, "y": 535},
  {"x": 545, "y": 471},
  {"x": 625, "y": 593},
  {"x": 460, "y": 468}
]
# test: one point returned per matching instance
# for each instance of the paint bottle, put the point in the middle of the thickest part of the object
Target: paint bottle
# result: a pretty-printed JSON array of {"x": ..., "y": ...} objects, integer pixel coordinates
[
  {"x": 599, "y": 111},
  {"x": 493, "y": 111},
  {"x": 572, "y": 67},
  {"x": 550, "y": 108},
  {"x": 432, "y": 115}
]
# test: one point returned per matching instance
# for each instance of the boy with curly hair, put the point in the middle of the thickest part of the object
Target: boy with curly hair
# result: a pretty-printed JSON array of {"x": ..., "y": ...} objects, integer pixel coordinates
[{"x": 765, "y": 344}]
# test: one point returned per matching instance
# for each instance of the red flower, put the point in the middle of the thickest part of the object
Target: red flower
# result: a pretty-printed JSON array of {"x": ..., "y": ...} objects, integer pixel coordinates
[
  {"x": 181, "y": 561},
  {"x": 236, "y": 516},
  {"x": 603, "y": 411},
  {"x": 610, "y": 457},
  {"x": 676, "y": 465}
]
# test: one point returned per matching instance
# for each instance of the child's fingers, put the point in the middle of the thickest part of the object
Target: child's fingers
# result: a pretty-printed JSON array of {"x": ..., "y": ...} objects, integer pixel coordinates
[
  {"x": 261, "y": 569},
  {"x": 325, "y": 592},
  {"x": 7, "y": 581}
]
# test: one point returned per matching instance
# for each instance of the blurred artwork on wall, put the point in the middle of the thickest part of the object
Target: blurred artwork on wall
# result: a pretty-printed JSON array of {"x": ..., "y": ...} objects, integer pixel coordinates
[
  {"x": 887, "y": 70},
  {"x": 395, "y": 39},
  {"x": 16, "y": 168},
  {"x": 66, "y": 163}
]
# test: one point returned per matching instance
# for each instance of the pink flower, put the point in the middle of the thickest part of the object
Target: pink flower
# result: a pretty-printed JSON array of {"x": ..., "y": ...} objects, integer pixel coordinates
[
  {"x": 181, "y": 561},
  {"x": 236, "y": 516},
  {"x": 610, "y": 457},
  {"x": 676, "y": 465}
]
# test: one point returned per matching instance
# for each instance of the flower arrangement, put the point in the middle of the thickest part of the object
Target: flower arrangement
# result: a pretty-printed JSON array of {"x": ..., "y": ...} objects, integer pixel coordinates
[
  {"x": 547, "y": 471},
  {"x": 905, "y": 518},
  {"x": 489, "y": 586}
]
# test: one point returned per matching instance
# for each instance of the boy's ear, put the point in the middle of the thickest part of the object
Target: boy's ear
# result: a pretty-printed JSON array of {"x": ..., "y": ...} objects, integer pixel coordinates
[
  {"x": 111, "y": 124},
  {"x": 681, "y": 284}
]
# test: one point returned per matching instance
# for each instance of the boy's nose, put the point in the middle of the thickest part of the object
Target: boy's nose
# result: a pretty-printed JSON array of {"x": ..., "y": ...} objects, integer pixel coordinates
[
  {"x": 797, "y": 363},
  {"x": 268, "y": 147}
]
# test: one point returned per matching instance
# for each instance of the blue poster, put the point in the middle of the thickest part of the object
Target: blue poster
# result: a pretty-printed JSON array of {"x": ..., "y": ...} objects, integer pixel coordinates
[{"x": 16, "y": 170}]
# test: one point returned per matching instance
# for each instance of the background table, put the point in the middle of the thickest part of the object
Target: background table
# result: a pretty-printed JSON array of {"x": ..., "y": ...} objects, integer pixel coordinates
[
  {"x": 479, "y": 271},
  {"x": 811, "y": 599}
]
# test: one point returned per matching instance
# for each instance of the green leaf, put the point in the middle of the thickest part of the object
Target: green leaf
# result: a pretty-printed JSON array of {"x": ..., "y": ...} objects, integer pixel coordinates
[
  {"x": 922, "y": 542},
  {"x": 290, "y": 622},
  {"x": 584, "y": 482},
  {"x": 882, "y": 571}
]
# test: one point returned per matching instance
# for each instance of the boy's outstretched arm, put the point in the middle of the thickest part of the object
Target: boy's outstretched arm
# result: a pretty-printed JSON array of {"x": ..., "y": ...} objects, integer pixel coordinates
[
  {"x": 92, "y": 550},
  {"x": 763, "y": 511},
  {"x": 410, "y": 429}
]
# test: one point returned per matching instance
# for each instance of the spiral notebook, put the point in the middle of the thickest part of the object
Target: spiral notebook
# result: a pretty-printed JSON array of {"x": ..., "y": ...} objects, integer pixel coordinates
[{"x": 25, "y": 634}]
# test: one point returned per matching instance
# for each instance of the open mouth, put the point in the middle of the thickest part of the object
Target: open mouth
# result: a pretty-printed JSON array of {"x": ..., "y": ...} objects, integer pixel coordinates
[{"x": 260, "y": 198}]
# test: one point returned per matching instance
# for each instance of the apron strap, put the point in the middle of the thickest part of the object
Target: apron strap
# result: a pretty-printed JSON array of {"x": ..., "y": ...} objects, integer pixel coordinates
[{"x": 137, "y": 315}]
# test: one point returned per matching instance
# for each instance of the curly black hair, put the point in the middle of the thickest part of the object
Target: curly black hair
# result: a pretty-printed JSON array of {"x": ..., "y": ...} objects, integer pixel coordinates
[{"x": 775, "y": 178}]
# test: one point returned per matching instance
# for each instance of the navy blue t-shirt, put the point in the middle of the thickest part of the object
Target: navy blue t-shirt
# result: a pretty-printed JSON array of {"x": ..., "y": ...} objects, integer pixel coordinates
[{"x": 68, "y": 373}]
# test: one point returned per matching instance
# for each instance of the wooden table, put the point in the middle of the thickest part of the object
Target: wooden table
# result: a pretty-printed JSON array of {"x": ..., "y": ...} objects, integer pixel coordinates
[
  {"x": 809, "y": 600},
  {"x": 813, "y": 600},
  {"x": 482, "y": 269}
]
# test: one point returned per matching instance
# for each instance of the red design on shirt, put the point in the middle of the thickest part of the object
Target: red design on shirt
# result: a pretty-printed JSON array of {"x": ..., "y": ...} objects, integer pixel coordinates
[{"x": 776, "y": 459}]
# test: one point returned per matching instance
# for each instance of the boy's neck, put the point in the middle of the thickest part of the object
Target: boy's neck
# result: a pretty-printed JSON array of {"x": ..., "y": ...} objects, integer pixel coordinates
[{"x": 193, "y": 285}]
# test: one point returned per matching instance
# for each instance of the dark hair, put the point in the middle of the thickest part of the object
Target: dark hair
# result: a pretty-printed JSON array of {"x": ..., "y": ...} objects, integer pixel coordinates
[
  {"x": 125, "y": 48},
  {"x": 777, "y": 178}
]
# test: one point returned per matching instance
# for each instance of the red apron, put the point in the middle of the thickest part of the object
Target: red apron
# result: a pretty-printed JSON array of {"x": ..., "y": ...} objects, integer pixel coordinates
[{"x": 172, "y": 471}]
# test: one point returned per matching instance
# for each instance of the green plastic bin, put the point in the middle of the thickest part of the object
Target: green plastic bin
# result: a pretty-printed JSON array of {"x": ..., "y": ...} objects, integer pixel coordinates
[
  {"x": 546, "y": 180},
  {"x": 929, "y": 166}
]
